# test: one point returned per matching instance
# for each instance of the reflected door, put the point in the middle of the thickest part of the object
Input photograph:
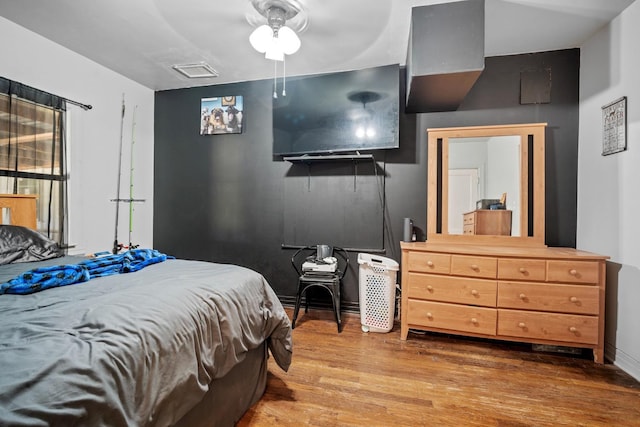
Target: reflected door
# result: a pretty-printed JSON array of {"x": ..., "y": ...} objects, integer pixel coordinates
[{"x": 463, "y": 193}]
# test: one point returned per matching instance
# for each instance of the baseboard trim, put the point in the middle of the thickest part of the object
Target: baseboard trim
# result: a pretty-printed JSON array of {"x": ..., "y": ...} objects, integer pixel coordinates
[{"x": 622, "y": 360}]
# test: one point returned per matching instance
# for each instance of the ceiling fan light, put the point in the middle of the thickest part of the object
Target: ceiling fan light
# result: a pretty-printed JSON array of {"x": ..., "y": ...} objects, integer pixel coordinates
[
  {"x": 289, "y": 40},
  {"x": 261, "y": 38},
  {"x": 274, "y": 51}
]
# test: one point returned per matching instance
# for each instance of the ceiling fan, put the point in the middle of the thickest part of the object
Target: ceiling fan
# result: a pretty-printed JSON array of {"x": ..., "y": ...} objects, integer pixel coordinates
[{"x": 278, "y": 35}]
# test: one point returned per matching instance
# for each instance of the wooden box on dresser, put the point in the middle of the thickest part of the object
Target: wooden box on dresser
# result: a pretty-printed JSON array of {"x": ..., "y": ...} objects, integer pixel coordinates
[{"x": 529, "y": 294}]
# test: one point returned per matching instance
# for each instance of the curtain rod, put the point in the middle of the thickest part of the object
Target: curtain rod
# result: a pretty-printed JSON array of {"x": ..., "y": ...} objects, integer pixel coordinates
[
  {"x": 83, "y": 106},
  {"x": 70, "y": 101}
]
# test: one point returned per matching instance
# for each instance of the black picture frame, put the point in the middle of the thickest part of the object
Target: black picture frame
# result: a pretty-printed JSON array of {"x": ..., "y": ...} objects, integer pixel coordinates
[{"x": 614, "y": 126}]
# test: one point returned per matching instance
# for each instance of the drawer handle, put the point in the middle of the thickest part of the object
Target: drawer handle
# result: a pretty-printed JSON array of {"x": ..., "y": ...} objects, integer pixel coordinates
[
  {"x": 430, "y": 263},
  {"x": 474, "y": 320},
  {"x": 573, "y": 299},
  {"x": 522, "y": 297},
  {"x": 430, "y": 288},
  {"x": 573, "y": 329},
  {"x": 429, "y": 315},
  {"x": 474, "y": 292},
  {"x": 573, "y": 272},
  {"x": 522, "y": 270},
  {"x": 522, "y": 325},
  {"x": 474, "y": 267}
]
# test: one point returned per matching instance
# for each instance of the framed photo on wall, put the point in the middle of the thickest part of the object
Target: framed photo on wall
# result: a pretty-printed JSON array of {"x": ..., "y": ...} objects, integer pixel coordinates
[
  {"x": 614, "y": 126},
  {"x": 221, "y": 115}
]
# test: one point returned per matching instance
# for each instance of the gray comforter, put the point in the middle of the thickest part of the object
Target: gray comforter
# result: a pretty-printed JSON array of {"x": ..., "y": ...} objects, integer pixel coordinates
[{"x": 132, "y": 349}]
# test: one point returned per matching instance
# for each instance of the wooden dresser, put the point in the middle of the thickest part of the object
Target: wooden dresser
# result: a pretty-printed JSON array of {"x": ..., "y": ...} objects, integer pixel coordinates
[
  {"x": 487, "y": 222},
  {"x": 19, "y": 209},
  {"x": 540, "y": 295}
]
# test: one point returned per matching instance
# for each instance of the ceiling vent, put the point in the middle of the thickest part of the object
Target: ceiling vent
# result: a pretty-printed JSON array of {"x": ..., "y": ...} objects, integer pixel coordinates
[
  {"x": 196, "y": 71},
  {"x": 445, "y": 55}
]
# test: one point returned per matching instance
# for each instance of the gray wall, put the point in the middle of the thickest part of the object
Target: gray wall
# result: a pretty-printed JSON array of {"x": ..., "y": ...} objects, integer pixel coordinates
[{"x": 222, "y": 198}]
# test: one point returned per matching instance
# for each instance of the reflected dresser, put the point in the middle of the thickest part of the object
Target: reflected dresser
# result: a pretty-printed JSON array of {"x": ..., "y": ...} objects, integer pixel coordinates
[{"x": 487, "y": 222}]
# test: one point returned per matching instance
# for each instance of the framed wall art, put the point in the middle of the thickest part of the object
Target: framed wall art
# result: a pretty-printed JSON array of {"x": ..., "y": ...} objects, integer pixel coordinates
[
  {"x": 221, "y": 115},
  {"x": 614, "y": 126}
]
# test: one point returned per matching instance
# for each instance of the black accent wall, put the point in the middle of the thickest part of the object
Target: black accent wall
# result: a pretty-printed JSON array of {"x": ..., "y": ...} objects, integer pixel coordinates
[{"x": 224, "y": 198}]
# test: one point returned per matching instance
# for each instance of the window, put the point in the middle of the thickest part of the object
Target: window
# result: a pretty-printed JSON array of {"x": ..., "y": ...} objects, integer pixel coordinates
[{"x": 32, "y": 152}]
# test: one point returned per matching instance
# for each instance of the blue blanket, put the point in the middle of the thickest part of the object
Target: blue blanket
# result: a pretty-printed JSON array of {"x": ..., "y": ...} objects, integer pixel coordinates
[{"x": 43, "y": 278}]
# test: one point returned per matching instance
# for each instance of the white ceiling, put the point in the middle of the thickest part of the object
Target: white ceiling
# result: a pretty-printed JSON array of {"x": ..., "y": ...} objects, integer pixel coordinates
[{"x": 143, "y": 39}]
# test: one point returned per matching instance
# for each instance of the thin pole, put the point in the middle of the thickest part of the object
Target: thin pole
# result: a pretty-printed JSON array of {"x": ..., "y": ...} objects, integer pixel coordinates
[
  {"x": 133, "y": 141},
  {"x": 116, "y": 246}
]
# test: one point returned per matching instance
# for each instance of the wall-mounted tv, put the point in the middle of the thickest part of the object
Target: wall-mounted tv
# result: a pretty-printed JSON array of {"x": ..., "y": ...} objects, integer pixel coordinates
[{"x": 339, "y": 112}]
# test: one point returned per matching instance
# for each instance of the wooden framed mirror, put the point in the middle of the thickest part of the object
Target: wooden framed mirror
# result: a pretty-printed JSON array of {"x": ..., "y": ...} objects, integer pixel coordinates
[{"x": 486, "y": 184}]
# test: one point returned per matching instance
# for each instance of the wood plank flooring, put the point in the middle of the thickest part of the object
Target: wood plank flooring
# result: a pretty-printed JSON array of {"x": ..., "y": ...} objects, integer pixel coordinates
[{"x": 359, "y": 379}]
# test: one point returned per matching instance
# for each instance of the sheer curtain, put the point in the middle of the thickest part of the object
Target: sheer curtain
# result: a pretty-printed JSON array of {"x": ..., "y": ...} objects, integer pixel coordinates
[{"x": 32, "y": 152}]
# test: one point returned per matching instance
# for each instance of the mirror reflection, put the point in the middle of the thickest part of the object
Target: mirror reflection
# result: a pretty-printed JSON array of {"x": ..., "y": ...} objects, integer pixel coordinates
[
  {"x": 492, "y": 167},
  {"x": 484, "y": 186}
]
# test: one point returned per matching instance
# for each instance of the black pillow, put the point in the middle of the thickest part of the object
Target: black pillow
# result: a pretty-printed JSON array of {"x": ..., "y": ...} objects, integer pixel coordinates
[{"x": 21, "y": 244}]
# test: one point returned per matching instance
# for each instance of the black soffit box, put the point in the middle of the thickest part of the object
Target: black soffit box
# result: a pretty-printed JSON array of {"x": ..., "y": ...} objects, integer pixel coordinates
[
  {"x": 445, "y": 55},
  {"x": 343, "y": 112}
]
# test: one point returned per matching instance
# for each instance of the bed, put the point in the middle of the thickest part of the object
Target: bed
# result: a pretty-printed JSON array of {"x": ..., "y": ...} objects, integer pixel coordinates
[{"x": 177, "y": 342}]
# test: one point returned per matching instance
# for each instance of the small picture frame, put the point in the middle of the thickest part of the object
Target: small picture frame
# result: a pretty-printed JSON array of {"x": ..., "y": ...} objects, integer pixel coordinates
[
  {"x": 228, "y": 100},
  {"x": 614, "y": 126},
  {"x": 221, "y": 115}
]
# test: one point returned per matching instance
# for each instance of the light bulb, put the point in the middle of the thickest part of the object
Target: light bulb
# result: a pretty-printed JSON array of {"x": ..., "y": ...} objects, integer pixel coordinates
[
  {"x": 261, "y": 38},
  {"x": 274, "y": 51},
  {"x": 289, "y": 40}
]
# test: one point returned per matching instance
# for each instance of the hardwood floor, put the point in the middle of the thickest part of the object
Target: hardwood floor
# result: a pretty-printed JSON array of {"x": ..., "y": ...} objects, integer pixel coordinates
[{"x": 359, "y": 379}]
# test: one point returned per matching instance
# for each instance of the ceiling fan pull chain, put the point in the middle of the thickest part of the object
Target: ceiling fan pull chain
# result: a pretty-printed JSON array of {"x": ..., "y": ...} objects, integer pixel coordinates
[
  {"x": 275, "y": 73},
  {"x": 284, "y": 76}
]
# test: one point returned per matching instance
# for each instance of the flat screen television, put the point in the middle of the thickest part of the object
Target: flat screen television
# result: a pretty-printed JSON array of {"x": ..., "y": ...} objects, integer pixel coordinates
[{"x": 339, "y": 112}]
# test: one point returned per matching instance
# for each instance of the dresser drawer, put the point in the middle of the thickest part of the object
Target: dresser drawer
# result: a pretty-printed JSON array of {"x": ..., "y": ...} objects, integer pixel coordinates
[
  {"x": 522, "y": 269},
  {"x": 429, "y": 262},
  {"x": 579, "y": 299},
  {"x": 572, "y": 271},
  {"x": 469, "y": 229},
  {"x": 438, "y": 315},
  {"x": 548, "y": 326},
  {"x": 471, "y": 266},
  {"x": 468, "y": 218},
  {"x": 460, "y": 290}
]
